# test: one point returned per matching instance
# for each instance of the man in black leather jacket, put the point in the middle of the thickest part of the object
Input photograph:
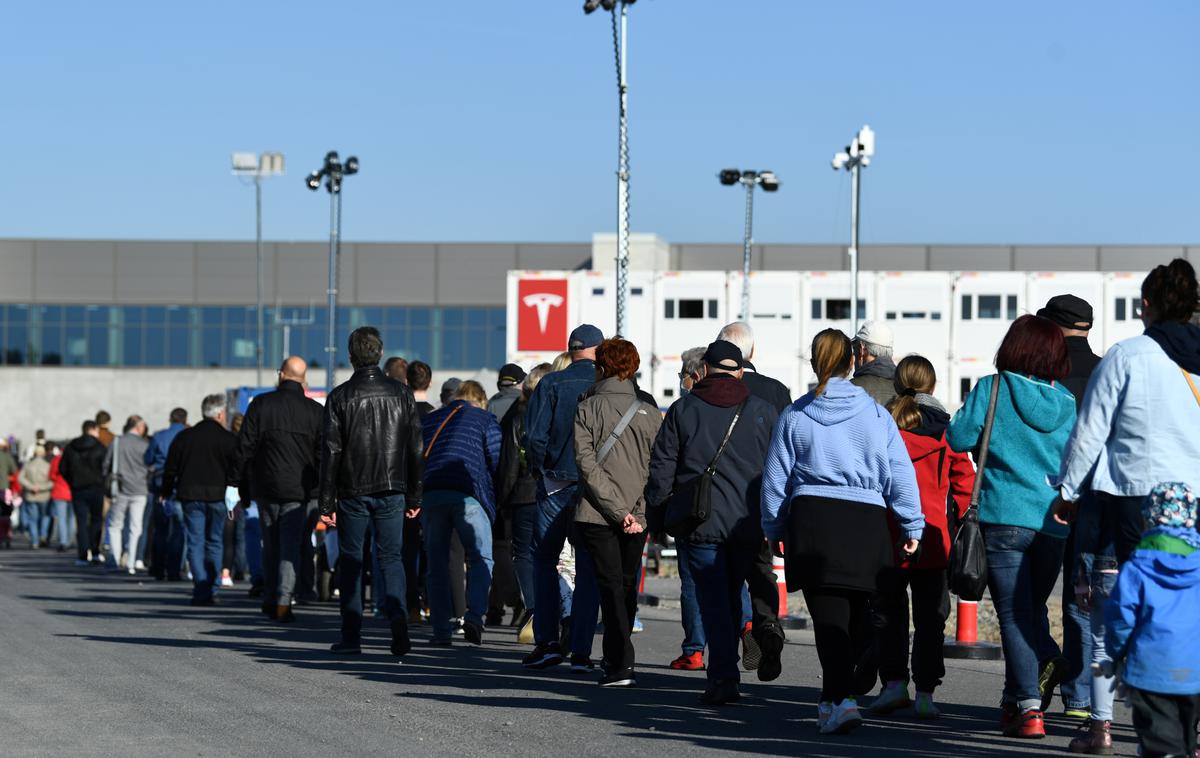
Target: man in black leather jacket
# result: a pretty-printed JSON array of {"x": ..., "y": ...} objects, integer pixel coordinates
[{"x": 371, "y": 470}]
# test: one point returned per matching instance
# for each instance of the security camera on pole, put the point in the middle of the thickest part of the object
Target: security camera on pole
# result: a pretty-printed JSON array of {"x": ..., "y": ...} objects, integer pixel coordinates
[
  {"x": 258, "y": 166},
  {"x": 333, "y": 172},
  {"x": 749, "y": 179},
  {"x": 855, "y": 158},
  {"x": 620, "y": 20}
]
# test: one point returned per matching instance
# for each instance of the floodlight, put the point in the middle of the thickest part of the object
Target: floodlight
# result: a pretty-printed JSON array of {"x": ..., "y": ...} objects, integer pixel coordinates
[
  {"x": 768, "y": 180},
  {"x": 590, "y": 5},
  {"x": 351, "y": 166},
  {"x": 245, "y": 162},
  {"x": 730, "y": 176},
  {"x": 314, "y": 181}
]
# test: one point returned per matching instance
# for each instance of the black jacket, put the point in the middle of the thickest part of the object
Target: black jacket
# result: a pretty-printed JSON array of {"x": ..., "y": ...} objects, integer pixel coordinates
[
  {"x": 82, "y": 464},
  {"x": 516, "y": 485},
  {"x": 1083, "y": 363},
  {"x": 279, "y": 447},
  {"x": 690, "y": 436},
  {"x": 372, "y": 440},
  {"x": 773, "y": 391},
  {"x": 201, "y": 463}
]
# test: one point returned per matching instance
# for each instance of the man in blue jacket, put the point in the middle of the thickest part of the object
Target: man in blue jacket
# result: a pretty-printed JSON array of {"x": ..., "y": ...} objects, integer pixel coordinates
[
  {"x": 167, "y": 540},
  {"x": 550, "y": 453}
]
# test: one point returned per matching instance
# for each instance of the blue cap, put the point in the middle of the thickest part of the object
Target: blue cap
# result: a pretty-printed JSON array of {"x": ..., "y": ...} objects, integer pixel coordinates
[{"x": 584, "y": 336}]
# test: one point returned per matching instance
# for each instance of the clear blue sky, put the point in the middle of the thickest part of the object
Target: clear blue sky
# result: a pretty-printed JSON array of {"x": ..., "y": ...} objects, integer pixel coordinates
[{"x": 1025, "y": 121}]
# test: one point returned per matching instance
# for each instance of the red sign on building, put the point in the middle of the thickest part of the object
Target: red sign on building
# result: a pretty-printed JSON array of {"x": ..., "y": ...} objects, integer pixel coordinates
[{"x": 541, "y": 315}]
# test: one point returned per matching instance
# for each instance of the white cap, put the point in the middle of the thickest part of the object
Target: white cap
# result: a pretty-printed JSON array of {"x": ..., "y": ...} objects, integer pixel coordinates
[{"x": 877, "y": 333}]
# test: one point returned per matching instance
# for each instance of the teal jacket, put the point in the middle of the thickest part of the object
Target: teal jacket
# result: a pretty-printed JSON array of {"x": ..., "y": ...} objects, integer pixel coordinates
[{"x": 1033, "y": 421}]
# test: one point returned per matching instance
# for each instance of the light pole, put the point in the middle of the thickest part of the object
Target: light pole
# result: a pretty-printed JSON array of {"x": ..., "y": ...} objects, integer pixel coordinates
[
  {"x": 258, "y": 167},
  {"x": 749, "y": 179},
  {"x": 620, "y": 25},
  {"x": 854, "y": 159},
  {"x": 333, "y": 171}
]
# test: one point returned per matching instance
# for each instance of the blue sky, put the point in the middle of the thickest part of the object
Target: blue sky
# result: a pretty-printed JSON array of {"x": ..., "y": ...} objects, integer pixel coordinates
[{"x": 1017, "y": 122}]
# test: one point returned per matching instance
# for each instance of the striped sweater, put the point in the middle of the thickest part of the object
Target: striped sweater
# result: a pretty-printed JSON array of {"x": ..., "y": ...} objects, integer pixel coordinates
[{"x": 466, "y": 455}]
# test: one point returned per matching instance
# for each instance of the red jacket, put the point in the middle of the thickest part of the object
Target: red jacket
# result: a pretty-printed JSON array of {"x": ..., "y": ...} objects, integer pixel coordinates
[
  {"x": 944, "y": 478},
  {"x": 60, "y": 490}
]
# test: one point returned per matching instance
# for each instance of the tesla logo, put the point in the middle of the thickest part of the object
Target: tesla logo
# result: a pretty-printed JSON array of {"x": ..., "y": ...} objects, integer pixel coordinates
[
  {"x": 541, "y": 315},
  {"x": 543, "y": 302}
]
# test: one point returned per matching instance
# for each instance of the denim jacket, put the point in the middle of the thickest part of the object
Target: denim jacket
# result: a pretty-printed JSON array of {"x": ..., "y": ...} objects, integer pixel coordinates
[
  {"x": 550, "y": 421},
  {"x": 1138, "y": 426}
]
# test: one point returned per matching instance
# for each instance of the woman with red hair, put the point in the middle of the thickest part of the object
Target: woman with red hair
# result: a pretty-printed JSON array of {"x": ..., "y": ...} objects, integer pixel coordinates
[{"x": 1033, "y": 419}]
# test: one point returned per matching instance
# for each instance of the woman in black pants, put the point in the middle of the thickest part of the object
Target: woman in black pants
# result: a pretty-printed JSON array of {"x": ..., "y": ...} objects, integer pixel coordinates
[{"x": 614, "y": 431}]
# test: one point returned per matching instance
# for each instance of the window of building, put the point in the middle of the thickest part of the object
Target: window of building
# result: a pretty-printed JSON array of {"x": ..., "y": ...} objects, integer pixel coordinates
[
  {"x": 1119, "y": 309},
  {"x": 691, "y": 308},
  {"x": 669, "y": 309},
  {"x": 966, "y": 308},
  {"x": 964, "y": 389},
  {"x": 1011, "y": 307},
  {"x": 838, "y": 309},
  {"x": 634, "y": 291},
  {"x": 816, "y": 309},
  {"x": 988, "y": 306},
  {"x": 597, "y": 291}
]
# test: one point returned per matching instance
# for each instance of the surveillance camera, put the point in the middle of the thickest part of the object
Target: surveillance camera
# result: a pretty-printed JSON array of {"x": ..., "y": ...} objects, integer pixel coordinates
[{"x": 840, "y": 160}]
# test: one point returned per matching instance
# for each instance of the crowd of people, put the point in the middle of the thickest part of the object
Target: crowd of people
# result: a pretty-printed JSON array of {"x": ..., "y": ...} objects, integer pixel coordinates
[{"x": 542, "y": 498}]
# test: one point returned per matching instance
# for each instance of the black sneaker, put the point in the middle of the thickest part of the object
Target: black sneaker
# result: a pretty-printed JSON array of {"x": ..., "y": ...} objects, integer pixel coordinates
[
  {"x": 751, "y": 653},
  {"x": 472, "y": 632},
  {"x": 622, "y": 678},
  {"x": 581, "y": 664},
  {"x": 771, "y": 644},
  {"x": 400, "y": 642},
  {"x": 543, "y": 656},
  {"x": 721, "y": 692},
  {"x": 345, "y": 648}
]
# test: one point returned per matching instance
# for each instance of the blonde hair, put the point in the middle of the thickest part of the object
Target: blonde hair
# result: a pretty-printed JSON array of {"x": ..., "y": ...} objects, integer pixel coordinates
[
  {"x": 534, "y": 376},
  {"x": 915, "y": 374},
  {"x": 562, "y": 361},
  {"x": 471, "y": 391},
  {"x": 831, "y": 356}
]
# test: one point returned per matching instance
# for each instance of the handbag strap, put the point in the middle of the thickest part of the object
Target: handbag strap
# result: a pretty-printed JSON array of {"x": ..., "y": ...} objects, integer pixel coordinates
[
  {"x": 984, "y": 441},
  {"x": 438, "y": 433},
  {"x": 1192, "y": 384},
  {"x": 712, "y": 466},
  {"x": 617, "y": 431}
]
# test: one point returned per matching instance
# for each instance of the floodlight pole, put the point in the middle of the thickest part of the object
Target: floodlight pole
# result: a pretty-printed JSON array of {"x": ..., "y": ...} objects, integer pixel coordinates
[
  {"x": 856, "y": 185},
  {"x": 335, "y": 233},
  {"x": 620, "y": 44},
  {"x": 258, "y": 262},
  {"x": 747, "y": 244}
]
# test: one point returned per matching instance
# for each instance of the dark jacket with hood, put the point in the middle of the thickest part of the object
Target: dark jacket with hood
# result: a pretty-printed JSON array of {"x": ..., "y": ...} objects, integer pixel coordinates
[
  {"x": 877, "y": 378},
  {"x": 516, "y": 485},
  {"x": 83, "y": 464},
  {"x": 1083, "y": 363},
  {"x": 691, "y": 433}
]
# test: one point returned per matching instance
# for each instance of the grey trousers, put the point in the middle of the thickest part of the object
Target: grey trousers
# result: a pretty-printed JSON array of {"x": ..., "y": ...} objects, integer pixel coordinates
[
  {"x": 125, "y": 527},
  {"x": 283, "y": 534}
]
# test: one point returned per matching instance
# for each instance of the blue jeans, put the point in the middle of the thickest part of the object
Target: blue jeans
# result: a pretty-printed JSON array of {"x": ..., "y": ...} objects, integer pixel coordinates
[
  {"x": 205, "y": 525},
  {"x": 555, "y": 521},
  {"x": 170, "y": 539},
  {"x": 1102, "y": 580},
  {"x": 385, "y": 515},
  {"x": 694, "y": 640},
  {"x": 441, "y": 512},
  {"x": 33, "y": 514},
  {"x": 64, "y": 522},
  {"x": 1023, "y": 567},
  {"x": 523, "y": 518},
  {"x": 718, "y": 573},
  {"x": 254, "y": 544}
]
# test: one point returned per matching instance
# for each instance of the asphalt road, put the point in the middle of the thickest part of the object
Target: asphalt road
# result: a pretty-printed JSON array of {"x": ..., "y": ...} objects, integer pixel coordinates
[{"x": 106, "y": 664}]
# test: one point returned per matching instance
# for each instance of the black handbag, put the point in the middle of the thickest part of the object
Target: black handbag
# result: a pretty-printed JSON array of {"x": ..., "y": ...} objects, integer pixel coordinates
[
  {"x": 968, "y": 554},
  {"x": 691, "y": 505}
]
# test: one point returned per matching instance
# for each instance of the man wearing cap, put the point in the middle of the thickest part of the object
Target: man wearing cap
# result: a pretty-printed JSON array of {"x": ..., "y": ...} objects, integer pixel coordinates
[
  {"x": 550, "y": 454},
  {"x": 509, "y": 386},
  {"x": 721, "y": 554},
  {"x": 875, "y": 370},
  {"x": 1073, "y": 315},
  {"x": 449, "y": 387}
]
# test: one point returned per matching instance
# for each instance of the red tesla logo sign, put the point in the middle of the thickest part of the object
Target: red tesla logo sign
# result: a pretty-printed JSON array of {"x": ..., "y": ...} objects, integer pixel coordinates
[{"x": 541, "y": 315}]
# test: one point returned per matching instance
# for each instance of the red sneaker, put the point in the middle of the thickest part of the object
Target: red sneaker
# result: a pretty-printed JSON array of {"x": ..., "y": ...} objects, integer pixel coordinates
[
  {"x": 689, "y": 662},
  {"x": 1029, "y": 725}
]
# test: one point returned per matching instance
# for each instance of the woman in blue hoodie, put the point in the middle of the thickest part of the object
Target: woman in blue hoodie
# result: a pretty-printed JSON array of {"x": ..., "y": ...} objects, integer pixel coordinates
[
  {"x": 836, "y": 463},
  {"x": 1034, "y": 416}
]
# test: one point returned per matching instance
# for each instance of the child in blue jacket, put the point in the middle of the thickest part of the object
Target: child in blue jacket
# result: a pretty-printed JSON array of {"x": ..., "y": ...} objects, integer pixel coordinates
[{"x": 1153, "y": 620}]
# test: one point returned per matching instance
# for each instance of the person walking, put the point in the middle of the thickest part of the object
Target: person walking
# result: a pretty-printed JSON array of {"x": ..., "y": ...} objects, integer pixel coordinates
[
  {"x": 835, "y": 467},
  {"x": 773, "y": 391},
  {"x": 278, "y": 465},
  {"x": 82, "y": 467},
  {"x": 36, "y": 487},
  {"x": 420, "y": 376},
  {"x": 125, "y": 462},
  {"x": 166, "y": 550},
  {"x": 505, "y": 588},
  {"x": 462, "y": 454},
  {"x": 1073, "y": 315},
  {"x": 200, "y": 472},
  {"x": 614, "y": 431},
  {"x": 874, "y": 369},
  {"x": 1033, "y": 416},
  {"x": 508, "y": 390},
  {"x": 396, "y": 368},
  {"x": 60, "y": 502},
  {"x": 721, "y": 429},
  {"x": 550, "y": 454},
  {"x": 103, "y": 433},
  {"x": 371, "y": 471},
  {"x": 1153, "y": 621},
  {"x": 943, "y": 477}
]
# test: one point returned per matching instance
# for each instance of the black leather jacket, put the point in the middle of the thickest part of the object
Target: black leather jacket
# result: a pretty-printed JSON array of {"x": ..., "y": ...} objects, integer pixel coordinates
[{"x": 372, "y": 440}]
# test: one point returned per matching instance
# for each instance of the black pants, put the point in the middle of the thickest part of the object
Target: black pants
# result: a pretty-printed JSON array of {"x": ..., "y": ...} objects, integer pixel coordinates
[
  {"x": 764, "y": 590},
  {"x": 306, "y": 578},
  {"x": 89, "y": 522},
  {"x": 930, "y": 607},
  {"x": 283, "y": 533},
  {"x": 1166, "y": 724},
  {"x": 504, "y": 592},
  {"x": 835, "y": 613},
  {"x": 617, "y": 558},
  {"x": 1121, "y": 521},
  {"x": 414, "y": 562}
]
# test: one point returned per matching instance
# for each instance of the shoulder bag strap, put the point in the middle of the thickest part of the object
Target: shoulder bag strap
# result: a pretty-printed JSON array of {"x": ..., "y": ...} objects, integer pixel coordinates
[
  {"x": 617, "y": 431},
  {"x": 712, "y": 466},
  {"x": 1192, "y": 384},
  {"x": 984, "y": 440},
  {"x": 429, "y": 447}
]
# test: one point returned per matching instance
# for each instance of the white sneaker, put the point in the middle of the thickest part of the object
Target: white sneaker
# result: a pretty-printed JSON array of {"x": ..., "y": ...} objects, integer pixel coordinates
[
  {"x": 133, "y": 572},
  {"x": 892, "y": 697},
  {"x": 140, "y": 565},
  {"x": 824, "y": 710},
  {"x": 226, "y": 581},
  {"x": 844, "y": 719}
]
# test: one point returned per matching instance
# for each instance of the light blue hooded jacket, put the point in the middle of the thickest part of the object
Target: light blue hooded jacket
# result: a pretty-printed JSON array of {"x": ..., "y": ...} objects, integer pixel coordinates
[{"x": 841, "y": 445}]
